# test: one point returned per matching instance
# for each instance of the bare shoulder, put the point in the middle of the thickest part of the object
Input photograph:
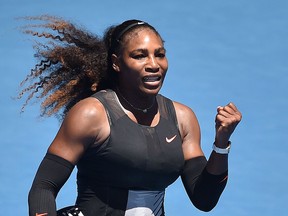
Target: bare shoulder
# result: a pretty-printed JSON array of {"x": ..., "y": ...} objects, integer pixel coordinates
[
  {"x": 87, "y": 117},
  {"x": 184, "y": 113},
  {"x": 86, "y": 109},
  {"x": 84, "y": 125}
]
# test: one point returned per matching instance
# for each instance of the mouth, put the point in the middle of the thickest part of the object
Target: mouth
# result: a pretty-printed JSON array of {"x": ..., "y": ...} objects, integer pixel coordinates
[{"x": 154, "y": 78}]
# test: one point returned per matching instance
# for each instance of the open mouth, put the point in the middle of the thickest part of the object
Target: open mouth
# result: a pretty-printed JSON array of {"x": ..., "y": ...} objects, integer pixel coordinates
[{"x": 151, "y": 78}]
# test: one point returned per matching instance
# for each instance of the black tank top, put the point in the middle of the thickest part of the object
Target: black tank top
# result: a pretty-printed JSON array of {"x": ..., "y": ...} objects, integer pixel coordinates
[{"x": 134, "y": 156}]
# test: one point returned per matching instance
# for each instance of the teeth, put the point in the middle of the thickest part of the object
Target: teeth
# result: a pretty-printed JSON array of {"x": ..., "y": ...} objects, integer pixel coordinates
[{"x": 151, "y": 79}]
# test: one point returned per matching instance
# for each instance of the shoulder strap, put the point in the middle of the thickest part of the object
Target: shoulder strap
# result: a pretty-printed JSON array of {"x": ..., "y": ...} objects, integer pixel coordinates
[
  {"x": 110, "y": 103},
  {"x": 167, "y": 109}
]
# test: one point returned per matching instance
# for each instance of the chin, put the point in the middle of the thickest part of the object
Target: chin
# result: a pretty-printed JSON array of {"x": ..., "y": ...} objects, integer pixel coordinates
[{"x": 151, "y": 91}]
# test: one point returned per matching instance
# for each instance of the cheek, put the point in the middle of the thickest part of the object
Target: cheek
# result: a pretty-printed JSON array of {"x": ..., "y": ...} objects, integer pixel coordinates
[
  {"x": 132, "y": 70},
  {"x": 131, "y": 64},
  {"x": 136, "y": 67},
  {"x": 164, "y": 65}
]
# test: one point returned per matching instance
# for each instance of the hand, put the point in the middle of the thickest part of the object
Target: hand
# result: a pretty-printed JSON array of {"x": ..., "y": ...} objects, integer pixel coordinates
[{"x": 226, "y": 120}]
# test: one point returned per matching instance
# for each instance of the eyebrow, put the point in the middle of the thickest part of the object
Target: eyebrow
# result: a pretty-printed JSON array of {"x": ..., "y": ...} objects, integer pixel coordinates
[
  {"x": 146, "y": 50},
  {"x": 161, "y": 49}
]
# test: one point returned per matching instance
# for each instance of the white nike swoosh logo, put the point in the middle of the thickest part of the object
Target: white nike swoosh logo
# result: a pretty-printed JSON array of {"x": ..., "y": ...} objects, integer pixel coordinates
[{"x": 171, "y": 139}]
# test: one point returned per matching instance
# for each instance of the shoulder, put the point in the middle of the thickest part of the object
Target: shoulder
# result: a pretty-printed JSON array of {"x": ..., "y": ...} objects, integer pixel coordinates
[
  {"x": 84, "y": 125},
  {"x": 184, "y": 112},
  {"x": 87, "y": 119},
  {"x": 86, "y": 109}
]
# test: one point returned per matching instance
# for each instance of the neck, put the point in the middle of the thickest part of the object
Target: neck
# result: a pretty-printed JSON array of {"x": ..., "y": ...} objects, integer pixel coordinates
[{"x": 144, "y": 105}]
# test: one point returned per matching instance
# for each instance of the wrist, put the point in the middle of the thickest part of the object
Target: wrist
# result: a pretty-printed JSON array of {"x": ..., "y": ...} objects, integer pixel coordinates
[
  {"x": 222, "y": 150},
  {"x": 222, "y": 142}
]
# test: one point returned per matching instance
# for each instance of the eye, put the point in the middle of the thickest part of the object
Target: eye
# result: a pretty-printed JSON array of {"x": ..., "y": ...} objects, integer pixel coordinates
[
  {"x": 160, "y": 55},
  {"x": 139, "y": 56}
]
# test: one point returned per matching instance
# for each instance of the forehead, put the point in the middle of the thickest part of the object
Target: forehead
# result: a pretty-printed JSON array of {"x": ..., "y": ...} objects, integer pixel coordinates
[{"x": 141, "y": 37}]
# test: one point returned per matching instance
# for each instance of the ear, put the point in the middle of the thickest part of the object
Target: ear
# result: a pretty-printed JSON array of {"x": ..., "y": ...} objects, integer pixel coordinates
[{"x": 115, "y": 63}]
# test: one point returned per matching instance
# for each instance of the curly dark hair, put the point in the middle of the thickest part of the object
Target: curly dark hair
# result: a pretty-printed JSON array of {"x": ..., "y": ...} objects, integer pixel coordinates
[{"x": 73, "y": 64}]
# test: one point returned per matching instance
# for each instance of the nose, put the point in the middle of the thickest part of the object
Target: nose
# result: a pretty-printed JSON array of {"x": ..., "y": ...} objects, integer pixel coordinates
[{"x": 152, "y": 65}]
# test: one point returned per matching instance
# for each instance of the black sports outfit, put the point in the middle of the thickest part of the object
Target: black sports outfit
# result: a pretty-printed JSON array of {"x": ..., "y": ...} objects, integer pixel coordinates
[{"x": 128, "y": 173}]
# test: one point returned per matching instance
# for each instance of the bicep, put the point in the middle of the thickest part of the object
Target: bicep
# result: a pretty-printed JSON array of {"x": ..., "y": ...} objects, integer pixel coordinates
[
  {"x": 189, "y": 130},
  {"x": 67, "y": 143}
]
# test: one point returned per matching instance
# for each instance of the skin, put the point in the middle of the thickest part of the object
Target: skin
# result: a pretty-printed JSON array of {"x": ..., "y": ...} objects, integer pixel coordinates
[{"x": 143, "y": 56}]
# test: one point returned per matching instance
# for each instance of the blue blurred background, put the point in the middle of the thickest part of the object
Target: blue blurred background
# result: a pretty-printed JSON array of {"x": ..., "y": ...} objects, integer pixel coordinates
[{"x": 219, "y": 51}]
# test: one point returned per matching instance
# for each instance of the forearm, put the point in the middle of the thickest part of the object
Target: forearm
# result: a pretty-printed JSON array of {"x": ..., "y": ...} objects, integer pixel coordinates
[
  {"x": 212, "y": 180},
  {"x": 41, "y": 200},
  {"x": 208, "y": 190},
  {"x": 217, "y": 163},
  {"x": 50, "y": 177},
  {"x": 204, "y": 181}
]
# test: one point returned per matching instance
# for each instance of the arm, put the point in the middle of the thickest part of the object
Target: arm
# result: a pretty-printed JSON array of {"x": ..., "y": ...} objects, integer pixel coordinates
[
  {"x": 204, "y": 181},
  {"x": 85, "y": 124},
  {"x": 52, "y": 173}
]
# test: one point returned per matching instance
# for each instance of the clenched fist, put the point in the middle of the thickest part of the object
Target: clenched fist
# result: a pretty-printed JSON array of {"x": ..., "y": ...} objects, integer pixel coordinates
[{"x": 226, "y": 120}]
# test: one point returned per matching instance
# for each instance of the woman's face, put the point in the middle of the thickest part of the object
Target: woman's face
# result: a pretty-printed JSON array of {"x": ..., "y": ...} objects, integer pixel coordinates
[{"x": 142, "y": 64}]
